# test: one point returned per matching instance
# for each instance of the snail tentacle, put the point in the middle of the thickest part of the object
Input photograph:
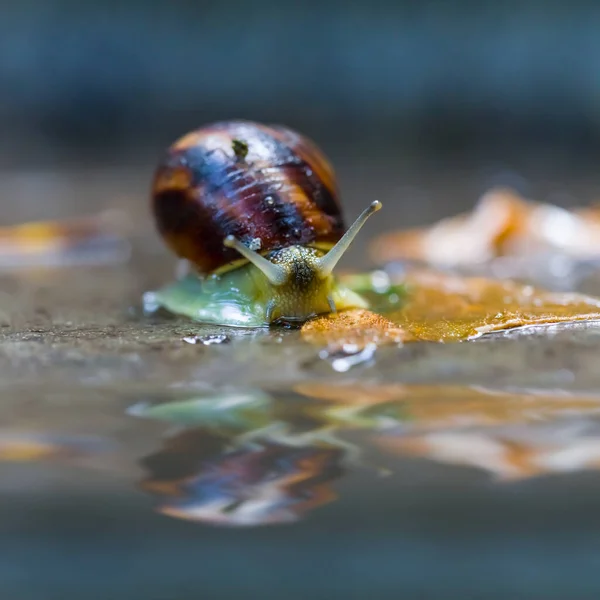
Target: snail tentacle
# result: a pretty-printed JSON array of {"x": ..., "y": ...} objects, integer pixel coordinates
[
  {"x": 331, "y": 259},
  {"x": 276, "y": 274}
]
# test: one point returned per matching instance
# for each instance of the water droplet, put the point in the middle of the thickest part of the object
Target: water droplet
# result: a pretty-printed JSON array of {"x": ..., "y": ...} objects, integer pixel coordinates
[
  {"x": 350, "y": 356},
  {"x": 255, "y": 244},
  {"x": 527, "y": 291},
  {"x": 206, "y": 340},
  {"x": 350, "y": 348},
  {"x": 150, "y": 303},
  {"x": 269, "y": 200},
  {"x": 380, "y": 281}
]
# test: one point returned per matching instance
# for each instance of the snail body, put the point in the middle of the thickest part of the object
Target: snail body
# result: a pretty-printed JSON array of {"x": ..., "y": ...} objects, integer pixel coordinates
[{"x": 254, "y": 211}]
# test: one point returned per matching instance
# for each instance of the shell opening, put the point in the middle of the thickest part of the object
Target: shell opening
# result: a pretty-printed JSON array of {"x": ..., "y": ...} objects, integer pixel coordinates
[{"x": 331, "y": 259}]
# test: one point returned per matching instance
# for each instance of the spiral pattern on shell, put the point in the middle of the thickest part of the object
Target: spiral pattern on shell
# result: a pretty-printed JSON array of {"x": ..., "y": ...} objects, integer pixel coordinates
[{"x": 268, "y": 186}]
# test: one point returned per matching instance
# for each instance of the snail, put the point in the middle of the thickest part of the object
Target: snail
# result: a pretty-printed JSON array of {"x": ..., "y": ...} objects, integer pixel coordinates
[{"x": 254, "y": 210}]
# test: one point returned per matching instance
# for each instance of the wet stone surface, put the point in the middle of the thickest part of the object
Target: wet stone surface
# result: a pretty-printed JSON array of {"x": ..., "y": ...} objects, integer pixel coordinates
[
  {"x": 78, "y": 322},
  {"x": 151, "y": 457},
  {"x": 84, "y": 323}
]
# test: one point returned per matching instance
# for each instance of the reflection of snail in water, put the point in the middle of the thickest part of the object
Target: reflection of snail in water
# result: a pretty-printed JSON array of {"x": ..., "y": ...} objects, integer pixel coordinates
[
  {"x": 254, "y": 210},
  {"x": 265, "y": 483},
  {"x": 252, "y": 457}
]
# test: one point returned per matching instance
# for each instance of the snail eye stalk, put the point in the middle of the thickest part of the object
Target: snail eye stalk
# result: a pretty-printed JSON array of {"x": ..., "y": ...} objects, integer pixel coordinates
[
  {"x": 331, "y": 259},
  {"x": 276, "y": 274}
]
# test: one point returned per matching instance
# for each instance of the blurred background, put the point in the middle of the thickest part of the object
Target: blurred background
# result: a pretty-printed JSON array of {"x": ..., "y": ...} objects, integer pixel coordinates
[
  {"x": 86, "y": 78},
  {"x": 423, "y": 104}
]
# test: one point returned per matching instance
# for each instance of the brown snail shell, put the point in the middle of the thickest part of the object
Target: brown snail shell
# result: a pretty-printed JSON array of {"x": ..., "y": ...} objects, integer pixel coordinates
[{"x": 267, "y": 186}]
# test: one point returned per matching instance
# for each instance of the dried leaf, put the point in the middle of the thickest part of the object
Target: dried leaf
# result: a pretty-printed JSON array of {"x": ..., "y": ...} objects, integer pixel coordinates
[
  {"x": 95, "y": 239},
  {"x": 446, "y": 308},
  {"x": 501, "y": 224},
  {"x": 439, "y": 307}
]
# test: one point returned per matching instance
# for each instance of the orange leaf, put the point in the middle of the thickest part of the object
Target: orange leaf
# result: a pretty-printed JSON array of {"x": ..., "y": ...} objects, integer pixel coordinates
[
  {"x": 353, "y": 328},
  {"x": 501, "y": 224},
  {"x": 447, "y": 308},
  {"x": 444, "y": 308}
]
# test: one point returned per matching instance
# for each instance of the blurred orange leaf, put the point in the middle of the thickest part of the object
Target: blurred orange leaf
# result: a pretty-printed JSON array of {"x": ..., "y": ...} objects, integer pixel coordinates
[
  {"x": 501, "y": 224},
  {"x": 97, "y": 238}
]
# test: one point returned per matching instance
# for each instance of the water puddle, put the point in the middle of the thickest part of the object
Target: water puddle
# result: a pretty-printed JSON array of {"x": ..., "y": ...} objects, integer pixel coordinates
[{"x": 258, "y": 457}]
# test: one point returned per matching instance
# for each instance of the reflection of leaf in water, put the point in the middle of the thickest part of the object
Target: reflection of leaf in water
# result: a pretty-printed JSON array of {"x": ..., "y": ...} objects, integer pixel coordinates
[
  {"x": 445, "y": 406},
  {"x": 39, "y": 446},
  {"x": 448, "y": 405},
  {"x": 221, "y": 477},
  {"x": 357, "y": 406},
  {"x": 512, "y": 435},
  {"x": 509, "y": 454},
  {"x": 444, "y": 308},
  {"x": 387, "y": 412}
]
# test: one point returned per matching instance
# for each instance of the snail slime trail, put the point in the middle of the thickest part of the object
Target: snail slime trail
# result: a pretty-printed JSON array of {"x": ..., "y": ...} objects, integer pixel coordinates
[{"x": 255, "y": 211}]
